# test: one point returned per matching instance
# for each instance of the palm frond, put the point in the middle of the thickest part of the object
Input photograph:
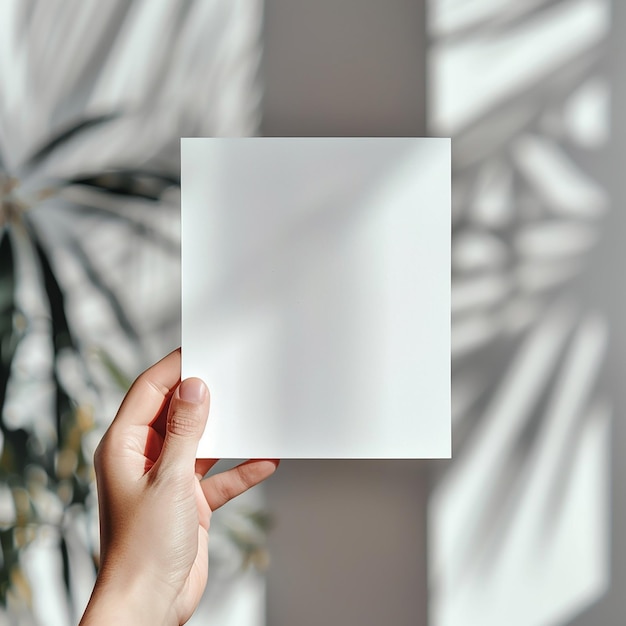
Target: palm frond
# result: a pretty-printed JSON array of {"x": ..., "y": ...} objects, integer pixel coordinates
[
  {"x": 132, "y": 183},
  {"x": 64, "y": 137},
  {"x": 14, "y": 449}
]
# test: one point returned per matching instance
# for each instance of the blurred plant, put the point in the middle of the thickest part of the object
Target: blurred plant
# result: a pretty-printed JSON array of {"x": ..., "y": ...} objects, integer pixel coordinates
[
  {"x": 93, "y": 103},
  {"x": 48, "y": 471},
  {"x": 46, "y": 466}
]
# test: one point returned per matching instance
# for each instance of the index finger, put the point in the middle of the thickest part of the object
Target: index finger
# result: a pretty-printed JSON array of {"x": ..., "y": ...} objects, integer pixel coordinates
[{"x": 150, "y": 392}]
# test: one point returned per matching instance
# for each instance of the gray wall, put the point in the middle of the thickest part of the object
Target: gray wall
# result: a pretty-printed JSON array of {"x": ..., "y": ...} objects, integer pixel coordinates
[
  {"x": 605, "y": 285},
  {"x": 344, "y": 68},
  {"x": 350, "y": 542}
]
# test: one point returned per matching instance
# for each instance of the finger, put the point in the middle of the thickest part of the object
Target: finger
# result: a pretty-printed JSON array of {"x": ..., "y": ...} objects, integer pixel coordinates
[
  {"x": 153, "y": 447},
  {"x": 150, "y": 392},
  {"x": 186, "y": 419},
  {"x": 204, "y": 465},
  {"x": 221, "y": 488}
]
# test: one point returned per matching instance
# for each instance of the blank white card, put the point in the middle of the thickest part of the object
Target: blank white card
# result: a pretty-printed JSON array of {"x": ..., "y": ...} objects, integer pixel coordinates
[{"x": 316, "y": 295}]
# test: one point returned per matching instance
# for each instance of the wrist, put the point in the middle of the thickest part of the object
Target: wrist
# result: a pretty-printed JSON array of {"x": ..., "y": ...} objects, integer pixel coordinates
[{"x": 125, "y": 598}]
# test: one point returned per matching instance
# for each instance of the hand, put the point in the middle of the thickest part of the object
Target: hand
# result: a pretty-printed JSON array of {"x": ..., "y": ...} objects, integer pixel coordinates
[{"x": 155, "y": 507}]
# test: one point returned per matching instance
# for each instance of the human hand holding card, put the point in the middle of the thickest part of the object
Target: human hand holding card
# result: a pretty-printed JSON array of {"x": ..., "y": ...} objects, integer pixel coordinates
[{"x": 316, "y": 295}]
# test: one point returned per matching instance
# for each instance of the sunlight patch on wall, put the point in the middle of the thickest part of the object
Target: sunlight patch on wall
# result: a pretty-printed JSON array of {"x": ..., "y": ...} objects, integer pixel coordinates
[{"x": 520, "y": 516}]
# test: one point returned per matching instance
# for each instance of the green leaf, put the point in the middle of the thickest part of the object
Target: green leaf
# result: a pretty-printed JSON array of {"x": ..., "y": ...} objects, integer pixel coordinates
[
  {"x": 9, "y": 559},
  {"x": 66, "y": 565},
  {"x": 61, "y": 335},
  {"x": 14, "y": 455},
  {"x": 7, "y": 306}
]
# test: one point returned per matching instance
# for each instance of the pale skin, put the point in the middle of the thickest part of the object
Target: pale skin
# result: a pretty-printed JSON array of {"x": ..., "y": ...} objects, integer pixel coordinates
[{"x": 155, "y": 506}]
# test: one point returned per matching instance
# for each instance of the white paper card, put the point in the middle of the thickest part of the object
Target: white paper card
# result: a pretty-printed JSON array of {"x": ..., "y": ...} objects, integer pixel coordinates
[{"x": 316, "y": 295}]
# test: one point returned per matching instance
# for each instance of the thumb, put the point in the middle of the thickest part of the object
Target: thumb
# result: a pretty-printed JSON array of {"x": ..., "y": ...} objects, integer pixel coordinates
[{"x": 186, "y": 419}]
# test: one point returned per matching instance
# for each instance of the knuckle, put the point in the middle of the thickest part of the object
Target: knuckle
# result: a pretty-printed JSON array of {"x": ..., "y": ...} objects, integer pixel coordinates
[
  {"x": 184, "y": 422},
  {"x": 146, "y": 380},
  {"x": 100, "y": 453},
  {"x": 97, "y": 457},
  {"x": 225, "y": 491},
  {"x": 105, "y": 450},
  {"x": 221, "y": 490},
  {"x": 245, "y": 478}
]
